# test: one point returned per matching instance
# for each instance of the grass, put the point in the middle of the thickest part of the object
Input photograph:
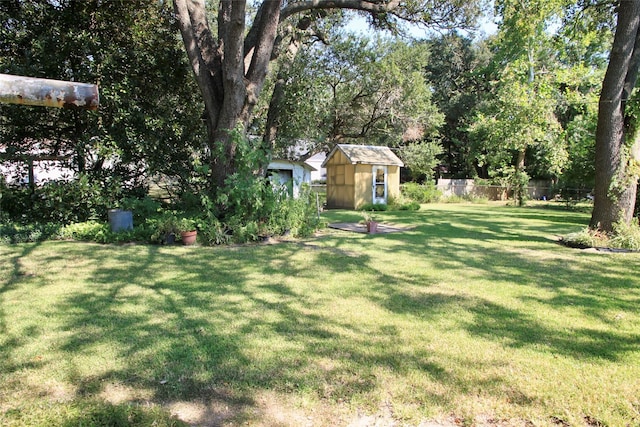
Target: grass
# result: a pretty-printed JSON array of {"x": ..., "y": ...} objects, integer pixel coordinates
[{"x": 475, "y": 316}]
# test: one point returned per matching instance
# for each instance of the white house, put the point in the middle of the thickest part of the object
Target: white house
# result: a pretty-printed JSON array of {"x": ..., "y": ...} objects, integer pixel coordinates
[{"x": 315, "y": 161}]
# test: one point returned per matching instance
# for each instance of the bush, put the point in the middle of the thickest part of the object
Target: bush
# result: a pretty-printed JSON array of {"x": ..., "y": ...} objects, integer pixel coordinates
[
  {"x": 18, "y": 233},
  {"x": 89, "y": 231},
  {"x": 213, "y": 232},
  {"x": 586, "y": 238},
  {"x": 626, "y": 236},
  {"x": 421, "y": 193},
  {"x": 378, "y": 207},
  {"x": 142, "y": 208},
  {"x": 61, "y": 202},
  {"x": 403, "y": 204},
  {"x": 95, "y": 231}
]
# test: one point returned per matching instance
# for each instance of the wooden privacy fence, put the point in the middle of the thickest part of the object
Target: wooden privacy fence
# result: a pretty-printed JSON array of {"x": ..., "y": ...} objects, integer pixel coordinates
[{"x": 468, "y": 187}]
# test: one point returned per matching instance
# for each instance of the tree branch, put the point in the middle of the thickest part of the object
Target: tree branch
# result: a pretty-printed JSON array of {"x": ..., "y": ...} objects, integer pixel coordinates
[
  {"x": 362, "y": 5},
  {"x": 202, "y": 52},
  {"x": 263, "y": 47}
]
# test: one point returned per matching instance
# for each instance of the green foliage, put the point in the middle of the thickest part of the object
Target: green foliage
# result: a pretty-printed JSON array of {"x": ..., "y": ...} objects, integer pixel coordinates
[
  {"x": 187, "y": 224},
  {"x": 90, "y": 231},
  {"x": 60, "y": 202},
  {"x": 460, "y": 76},
  {"x": 521, "y": 118},
  {"x": 252, "y": 207},
  {"x": 518, "y": 181},
  {"x": 421, "y": 193},
  {"x": 99, "y": 232},
  {"x": 142, "y": 208},
  {"x": 213, "y": 232},
  {"x": 355, "y": 88},
  {"x": 36, "y": 232},
  {"x": 403, "y": 203},
  {"x": 374, "y": 207},
  {"x": 164, "y": 227},
  {"x": 149, "y": 117},
  {"x": 624, "y": 236},
  {"x": 421, "y": 158}
]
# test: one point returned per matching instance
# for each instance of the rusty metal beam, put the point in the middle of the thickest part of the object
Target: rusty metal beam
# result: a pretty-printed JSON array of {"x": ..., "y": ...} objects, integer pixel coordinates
[{"x": 48, "y": 93}]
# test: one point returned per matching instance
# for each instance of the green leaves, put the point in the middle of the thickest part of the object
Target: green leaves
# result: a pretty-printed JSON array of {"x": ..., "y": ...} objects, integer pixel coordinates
[
  {"x": 359, "y": 89},
  {"x": 421, "y": 158}
]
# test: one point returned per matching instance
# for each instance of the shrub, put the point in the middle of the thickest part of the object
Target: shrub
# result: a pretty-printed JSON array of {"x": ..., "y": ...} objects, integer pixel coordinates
[
  {"x": 95, "y": 231},
  {"x": 213, "y": 232},
  {"x": 586, "y": 238},
  {"x": 626, "y": 236},
  {"x": 403, "y": 204},
  {"x": 142, "y": 208},
  {"x": 421, "y": 193},
  {"x": 18, "y": 233},
  {"x": 378, "y": 207},
  {"x": 161, "y": 227},
  {"x": 89, "y": 231},
  {"x": 61, "y": 202}
]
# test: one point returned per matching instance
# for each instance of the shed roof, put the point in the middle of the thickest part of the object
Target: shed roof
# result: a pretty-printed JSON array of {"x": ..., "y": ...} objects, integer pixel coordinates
[{"x": 366, "y": 154}]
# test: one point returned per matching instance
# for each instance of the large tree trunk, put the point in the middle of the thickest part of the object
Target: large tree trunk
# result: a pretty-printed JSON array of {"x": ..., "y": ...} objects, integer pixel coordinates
[
  {"x": 231, "y": 69},
  {"x": 615, "y": 186},
  {"x": 230, "y": 73}
]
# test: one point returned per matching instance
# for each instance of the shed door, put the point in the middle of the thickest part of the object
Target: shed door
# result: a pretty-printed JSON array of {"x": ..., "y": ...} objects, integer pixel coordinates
[{"x": 379, "y": 184}]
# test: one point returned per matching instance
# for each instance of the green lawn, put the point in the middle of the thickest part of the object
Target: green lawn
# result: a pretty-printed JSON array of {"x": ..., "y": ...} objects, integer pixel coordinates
[{"x": 475, "y": 316}]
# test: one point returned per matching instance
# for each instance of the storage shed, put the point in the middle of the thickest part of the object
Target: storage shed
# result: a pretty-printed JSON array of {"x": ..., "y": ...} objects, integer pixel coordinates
[
  {"x": 361, "y": 174},
  {"x": 290, "y": 175}
]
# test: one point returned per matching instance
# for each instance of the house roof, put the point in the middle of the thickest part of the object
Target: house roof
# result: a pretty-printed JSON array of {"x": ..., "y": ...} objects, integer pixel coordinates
[
  {"x": 366, "y": 154},
  {"x": 279, "y": 163}
]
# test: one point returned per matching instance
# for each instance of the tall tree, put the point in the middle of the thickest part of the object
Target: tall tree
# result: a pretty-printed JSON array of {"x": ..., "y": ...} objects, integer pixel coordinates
[
  {"x": 148, "y": 101},
  {"x": 230, "y": 62},
  {"x": 358, "y": 89},
  {"x": 459, "y": 74},
  {"x": 524, "y": 110},
  {"x": 617, "y": 144}
]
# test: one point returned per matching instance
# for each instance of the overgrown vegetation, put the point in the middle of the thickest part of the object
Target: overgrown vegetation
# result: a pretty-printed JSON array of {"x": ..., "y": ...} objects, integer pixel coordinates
[
  {"x": 624, "y": 236},
  {"x": 421, "y": 193},
  {"x": 248, "y": 208}
]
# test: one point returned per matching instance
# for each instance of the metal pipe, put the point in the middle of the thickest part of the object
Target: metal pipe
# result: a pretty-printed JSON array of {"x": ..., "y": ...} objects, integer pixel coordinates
[{"x": 48, "y": 93}]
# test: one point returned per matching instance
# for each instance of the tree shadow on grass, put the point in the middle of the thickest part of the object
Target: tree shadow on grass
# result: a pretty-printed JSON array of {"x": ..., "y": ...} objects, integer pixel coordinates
[
  {"x": 195, "y": 334},
  {"x": 535, "y": 271},
  {"x": 14, "y": 275},
  {"x": 198, "y": 335},
  {"x": 237, "y": 321}
]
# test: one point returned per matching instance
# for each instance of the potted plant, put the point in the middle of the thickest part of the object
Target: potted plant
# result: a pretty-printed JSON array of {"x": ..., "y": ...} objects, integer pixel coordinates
[
  {"x": 188, "y": 231},
  {"x": 166, "y": 227},
  {"x": 370, "y": 222}
]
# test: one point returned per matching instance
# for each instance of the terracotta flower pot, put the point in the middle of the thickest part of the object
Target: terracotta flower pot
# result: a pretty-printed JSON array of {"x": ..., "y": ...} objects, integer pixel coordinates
[
  {"x": 189, "y": 237},
  {"x": 372, "y": 227}
]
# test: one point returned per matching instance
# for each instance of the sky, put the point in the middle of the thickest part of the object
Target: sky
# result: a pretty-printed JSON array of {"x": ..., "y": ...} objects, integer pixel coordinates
[{"x": 487, "y": 26}]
